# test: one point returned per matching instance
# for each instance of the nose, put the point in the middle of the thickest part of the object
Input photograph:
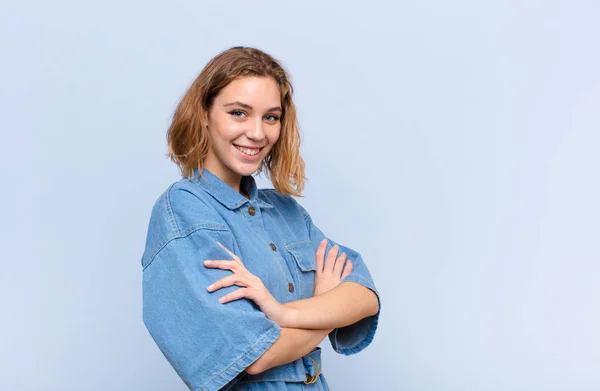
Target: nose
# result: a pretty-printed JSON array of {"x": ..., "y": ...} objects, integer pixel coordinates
[{"x": 255, "y": 130}]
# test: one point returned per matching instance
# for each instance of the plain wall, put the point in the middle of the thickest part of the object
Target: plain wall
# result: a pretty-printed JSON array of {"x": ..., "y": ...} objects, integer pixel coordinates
[{"x": 454, "y": 144}]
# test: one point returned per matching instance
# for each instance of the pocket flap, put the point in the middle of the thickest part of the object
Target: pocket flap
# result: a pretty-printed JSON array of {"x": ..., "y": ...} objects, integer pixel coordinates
[{"x": 304, "y": 254}]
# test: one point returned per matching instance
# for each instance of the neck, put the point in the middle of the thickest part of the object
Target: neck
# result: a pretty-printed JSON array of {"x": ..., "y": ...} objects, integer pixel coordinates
[{"x": 233, "y": 179}]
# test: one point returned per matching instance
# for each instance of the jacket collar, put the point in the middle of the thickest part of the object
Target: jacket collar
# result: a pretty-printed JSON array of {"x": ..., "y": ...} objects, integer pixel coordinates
[{"x": 224, "y": 193}]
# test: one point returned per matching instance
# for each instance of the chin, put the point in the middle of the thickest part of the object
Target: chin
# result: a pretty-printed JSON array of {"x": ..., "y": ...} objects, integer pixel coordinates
[{"x": 246, "y": 170}]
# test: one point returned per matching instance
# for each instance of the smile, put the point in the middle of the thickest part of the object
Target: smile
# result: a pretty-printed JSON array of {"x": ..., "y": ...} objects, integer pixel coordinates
[{"x": 248, "y": 151}]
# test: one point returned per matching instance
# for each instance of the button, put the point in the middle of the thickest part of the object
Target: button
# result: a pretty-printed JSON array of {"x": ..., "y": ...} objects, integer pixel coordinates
[
  {"x": 273, "y": 246},
  {"x": 252, "y": 211},
  {"x": 291, "y": 287}
]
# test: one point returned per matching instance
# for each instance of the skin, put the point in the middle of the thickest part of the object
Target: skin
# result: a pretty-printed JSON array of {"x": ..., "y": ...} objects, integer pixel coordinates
[
  {"x": 247, "y": 112},
  {"x": 254, "y": 122}
]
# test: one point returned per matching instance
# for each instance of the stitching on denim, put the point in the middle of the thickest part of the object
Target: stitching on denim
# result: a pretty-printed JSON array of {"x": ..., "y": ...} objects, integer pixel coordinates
[
  {"x": 295, "y": 262},
  {"x": 288, "y": 377},
  {"x": 267, "y": 242},
  {"x": 297, "y": 272},
  {"x": 264, "y": 204},
  {"x": 366, "y": 341},
  {"x": 211, "y": 226},
  {"x": 252, "y": 347},
  {"x": 206, "y": 189},
  {"x": 298, "y": 262},
  {"x": 274, "y": 380},
  {"x": 188, "y": 232},
  {"x": 209, "y": 191},
  {"x": 302, "y": 243},
  {"x": 273, "y": 191},
  {"x": 170, "y": 210},
  {"x": 360, "y": 280},
  {"x": 291, "y": 247}
]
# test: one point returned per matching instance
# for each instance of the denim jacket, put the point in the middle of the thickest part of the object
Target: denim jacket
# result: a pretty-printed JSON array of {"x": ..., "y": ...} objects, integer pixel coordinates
[{"x": 211, "y": 344}]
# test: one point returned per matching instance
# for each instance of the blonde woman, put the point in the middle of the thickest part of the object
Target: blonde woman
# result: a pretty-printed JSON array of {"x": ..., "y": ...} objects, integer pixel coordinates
[{"x": 239, "y": 284}]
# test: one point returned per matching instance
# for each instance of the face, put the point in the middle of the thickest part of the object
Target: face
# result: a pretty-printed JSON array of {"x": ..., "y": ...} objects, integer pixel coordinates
[{"x": 244, "y": 123}]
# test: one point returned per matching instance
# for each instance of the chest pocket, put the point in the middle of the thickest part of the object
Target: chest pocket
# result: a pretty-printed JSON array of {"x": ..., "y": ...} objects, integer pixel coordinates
[{"x": 303, "y": 257}]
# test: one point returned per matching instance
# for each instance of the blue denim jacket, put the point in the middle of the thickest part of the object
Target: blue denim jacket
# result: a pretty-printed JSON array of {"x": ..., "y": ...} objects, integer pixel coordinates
[{"x": 211, "y": 344}]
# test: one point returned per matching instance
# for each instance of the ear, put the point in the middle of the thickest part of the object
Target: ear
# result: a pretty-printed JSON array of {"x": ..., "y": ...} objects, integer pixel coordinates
[{"x": 204, "y": 118}]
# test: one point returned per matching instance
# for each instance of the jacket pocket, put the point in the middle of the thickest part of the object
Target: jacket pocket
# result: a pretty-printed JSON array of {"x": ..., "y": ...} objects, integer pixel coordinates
[{"x": 304, "y": 255}]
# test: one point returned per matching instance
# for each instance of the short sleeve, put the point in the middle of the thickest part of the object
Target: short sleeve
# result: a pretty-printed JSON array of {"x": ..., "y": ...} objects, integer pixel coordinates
[
  {"x": 207, "y": 343},
  {"x": 355, "y": 337}
]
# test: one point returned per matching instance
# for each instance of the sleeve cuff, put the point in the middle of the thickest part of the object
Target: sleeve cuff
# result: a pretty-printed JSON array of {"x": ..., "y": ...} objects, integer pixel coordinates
[
  {"x": 226, "y": 379},
  {"x": 356, "y": 337}
]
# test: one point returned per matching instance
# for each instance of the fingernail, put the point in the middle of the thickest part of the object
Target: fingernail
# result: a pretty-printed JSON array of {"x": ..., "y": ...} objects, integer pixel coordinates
[
  {"x": 210, "y": 287},
  {"x": 207, "y": 262},
  {"x": 221, "y": 300}
]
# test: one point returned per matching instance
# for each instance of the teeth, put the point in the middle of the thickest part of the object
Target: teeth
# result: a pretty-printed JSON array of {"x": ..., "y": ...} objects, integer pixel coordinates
[{"x": 248, "y": 151}]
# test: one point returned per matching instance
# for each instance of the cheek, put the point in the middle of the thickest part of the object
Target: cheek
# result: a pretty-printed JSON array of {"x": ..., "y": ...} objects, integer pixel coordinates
[
  {"x": 230, "y": 130},
  {"x": 274, "y": 135}
]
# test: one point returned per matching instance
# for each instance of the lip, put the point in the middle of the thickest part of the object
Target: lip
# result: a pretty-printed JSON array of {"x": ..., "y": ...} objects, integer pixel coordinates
[
  {"x": 251, "y": 158},
  {"x": 249, "y": 147}
]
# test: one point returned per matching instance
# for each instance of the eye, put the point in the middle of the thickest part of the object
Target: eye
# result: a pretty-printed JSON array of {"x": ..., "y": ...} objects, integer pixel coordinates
[
  {"x": 272, "y": 118},
  {"x": 237, "y": 113}
]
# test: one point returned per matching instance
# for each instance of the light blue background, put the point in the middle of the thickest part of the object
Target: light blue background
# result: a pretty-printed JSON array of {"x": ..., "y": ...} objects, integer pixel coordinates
[{"x": 454, "y": 144}]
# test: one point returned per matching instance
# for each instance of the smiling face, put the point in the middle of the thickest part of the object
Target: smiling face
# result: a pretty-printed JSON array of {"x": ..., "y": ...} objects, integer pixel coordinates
[{"x": 244, "y": 123}]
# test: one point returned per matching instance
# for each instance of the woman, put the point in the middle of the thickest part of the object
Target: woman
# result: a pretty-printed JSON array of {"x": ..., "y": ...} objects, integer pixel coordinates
[{"x": 239, "y": 285}]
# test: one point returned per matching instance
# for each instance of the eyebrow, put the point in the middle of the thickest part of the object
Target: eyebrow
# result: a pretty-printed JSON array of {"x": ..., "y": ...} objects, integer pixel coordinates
[{"x": 247, "y": 106}]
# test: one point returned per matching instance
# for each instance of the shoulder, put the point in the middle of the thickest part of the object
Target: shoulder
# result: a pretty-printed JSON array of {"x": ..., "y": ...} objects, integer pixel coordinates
[
  {"x": 286, "y": 205},
  {"x": 180, "y": 210},
  {"x": 184, "y": 207}
]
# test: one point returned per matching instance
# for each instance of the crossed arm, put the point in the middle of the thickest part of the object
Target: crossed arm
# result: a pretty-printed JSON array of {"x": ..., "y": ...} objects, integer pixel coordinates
[
  {"x": 310, "y": 320},
  {"x": 305, "y": 323}
]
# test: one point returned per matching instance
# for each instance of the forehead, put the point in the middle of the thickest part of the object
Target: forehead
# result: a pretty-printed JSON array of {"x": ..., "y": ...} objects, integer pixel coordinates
[{"x": 255, "y": 91}]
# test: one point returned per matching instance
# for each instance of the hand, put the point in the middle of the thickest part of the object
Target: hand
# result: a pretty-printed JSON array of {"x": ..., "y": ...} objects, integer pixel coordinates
[
  {"x": 329, "y": 272},
  {"x": 252, "y": 287}
]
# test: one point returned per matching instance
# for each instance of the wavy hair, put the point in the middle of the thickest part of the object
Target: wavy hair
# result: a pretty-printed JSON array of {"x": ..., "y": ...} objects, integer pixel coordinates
[{"x": 188, "y": 139}]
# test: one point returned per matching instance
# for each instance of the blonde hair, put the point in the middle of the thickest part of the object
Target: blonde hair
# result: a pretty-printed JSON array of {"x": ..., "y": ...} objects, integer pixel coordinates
[{"x": 187, "y": 137}]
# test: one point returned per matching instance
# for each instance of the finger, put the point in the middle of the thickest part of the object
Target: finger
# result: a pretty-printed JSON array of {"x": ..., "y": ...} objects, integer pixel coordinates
[
  {"x": 223, "y": 264},
  {"x": 230, "y": 253},
  {"x": 339, "y": 264},
  {"x": 235, "y": 295},
  {"x": 348, "y": 269},
  {"x": 234, "y": 279},
  {"x": 331, "y": 257},
  {"x": 320, "y": 255}
]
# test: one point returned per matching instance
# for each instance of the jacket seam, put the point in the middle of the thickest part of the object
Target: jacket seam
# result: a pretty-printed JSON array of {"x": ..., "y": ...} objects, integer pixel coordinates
[
  {"x": 367, "y": 339},
  {"x": 170, "y": 209},
  {"x": 260, "y": 340},
  {"x": 184, "y": 234}
]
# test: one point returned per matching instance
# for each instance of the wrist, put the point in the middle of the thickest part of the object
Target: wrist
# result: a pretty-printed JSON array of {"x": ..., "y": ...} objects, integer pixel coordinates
[{"x": 289, "y": 315}]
